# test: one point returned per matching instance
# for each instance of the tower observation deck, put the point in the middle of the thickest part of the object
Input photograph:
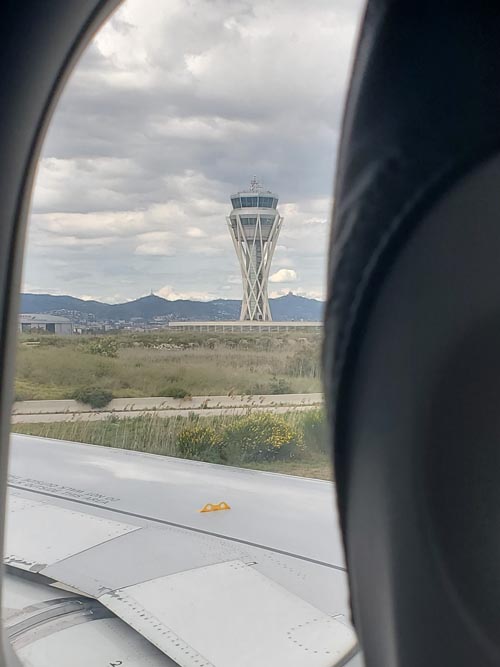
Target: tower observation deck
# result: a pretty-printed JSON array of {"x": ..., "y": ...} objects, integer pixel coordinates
[{"x": 254, "y": 224}]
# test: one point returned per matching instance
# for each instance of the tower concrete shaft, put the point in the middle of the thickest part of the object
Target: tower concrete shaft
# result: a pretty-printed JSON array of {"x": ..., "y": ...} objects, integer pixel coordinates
[{"x": 254, "y": 224}]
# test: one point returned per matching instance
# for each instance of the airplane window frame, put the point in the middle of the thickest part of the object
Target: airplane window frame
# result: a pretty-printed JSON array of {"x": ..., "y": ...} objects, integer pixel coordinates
[{"x": 56, "y": 36}]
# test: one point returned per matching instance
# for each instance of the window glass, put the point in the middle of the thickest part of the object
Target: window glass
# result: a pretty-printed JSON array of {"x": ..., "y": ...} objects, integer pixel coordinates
[{"x": 249, "y": 202}]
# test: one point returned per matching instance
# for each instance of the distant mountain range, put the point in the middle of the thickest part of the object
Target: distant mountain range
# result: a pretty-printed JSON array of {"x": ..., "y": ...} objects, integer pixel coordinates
[{"x": 284, "y": 308}]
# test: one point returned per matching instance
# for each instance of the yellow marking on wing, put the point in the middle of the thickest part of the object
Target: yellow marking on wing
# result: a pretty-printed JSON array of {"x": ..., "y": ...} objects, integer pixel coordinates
[{"x": 213, "y": 507}]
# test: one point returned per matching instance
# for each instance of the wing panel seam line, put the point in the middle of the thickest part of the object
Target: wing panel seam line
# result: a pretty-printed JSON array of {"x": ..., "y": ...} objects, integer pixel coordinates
[{"x": 180, "y": 525}]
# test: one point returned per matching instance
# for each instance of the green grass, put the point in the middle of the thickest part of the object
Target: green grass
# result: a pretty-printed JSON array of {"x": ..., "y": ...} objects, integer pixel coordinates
[
  {"x": 164, "y": 364},
  {"x": 157, "y": 435}
]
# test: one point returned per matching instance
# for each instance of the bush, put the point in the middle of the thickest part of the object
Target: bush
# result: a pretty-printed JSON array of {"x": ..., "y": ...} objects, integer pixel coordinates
[
  {"x": 260, "y": 437},
  {"x": 104, "y": 347},
  {"x": 199, "y": 442},
  {"x": 96, "y": 397},
  {"x": 174, "y": 392},
  {"x": 315, "y": 430},
  {"x": 280, "y": 386},
  {"x": 256, "y": 390},
  {"x": 275, "y": 386}
]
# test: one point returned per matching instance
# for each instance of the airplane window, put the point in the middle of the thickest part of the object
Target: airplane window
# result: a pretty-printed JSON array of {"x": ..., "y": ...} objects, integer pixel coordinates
[{"x": 170, "y": 493}]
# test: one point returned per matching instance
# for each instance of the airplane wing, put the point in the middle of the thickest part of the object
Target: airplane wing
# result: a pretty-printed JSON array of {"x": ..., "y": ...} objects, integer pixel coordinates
[{"x": 117, "y": 538}]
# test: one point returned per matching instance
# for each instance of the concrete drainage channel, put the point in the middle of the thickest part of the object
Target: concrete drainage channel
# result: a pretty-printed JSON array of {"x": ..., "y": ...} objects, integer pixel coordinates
[{"x": 67, "y": 410}]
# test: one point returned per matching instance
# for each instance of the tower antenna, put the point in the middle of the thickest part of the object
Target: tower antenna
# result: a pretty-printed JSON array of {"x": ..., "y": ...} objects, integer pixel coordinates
[{"x": 255, "y": 185}]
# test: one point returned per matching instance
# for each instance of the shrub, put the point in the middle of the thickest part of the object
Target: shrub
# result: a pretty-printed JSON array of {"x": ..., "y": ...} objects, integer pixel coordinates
[
  {"x": 315, "y": 430},
  {"x": 279, "y": 386},
  {"x": 104, "y": 347},
  {"x": 174, "y": 392},
  {"x": 96, "y": 397},
  {"x": 199, "y": 442},
  {"x": 275, "y": 386},
  {"x": 260, "y": 437},
  {"x": 256, "y": 390}
]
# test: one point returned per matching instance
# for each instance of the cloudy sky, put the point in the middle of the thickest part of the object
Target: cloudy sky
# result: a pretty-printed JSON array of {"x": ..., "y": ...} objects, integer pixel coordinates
[{"x": 175, "y": 105}]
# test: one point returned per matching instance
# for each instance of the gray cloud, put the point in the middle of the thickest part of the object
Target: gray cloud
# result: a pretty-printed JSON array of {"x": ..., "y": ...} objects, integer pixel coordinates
[{"x": 173, "y": 107}]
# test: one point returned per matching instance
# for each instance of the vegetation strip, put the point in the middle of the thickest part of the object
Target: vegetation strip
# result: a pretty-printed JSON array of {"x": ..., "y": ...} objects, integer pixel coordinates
[
  {"x": 96, "y": 369},
  {"x": 294, "y": 441}
]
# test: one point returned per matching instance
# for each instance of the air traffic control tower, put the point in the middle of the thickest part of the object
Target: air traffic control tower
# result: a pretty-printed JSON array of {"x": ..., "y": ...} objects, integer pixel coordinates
[{"x": 254, "y": 224}]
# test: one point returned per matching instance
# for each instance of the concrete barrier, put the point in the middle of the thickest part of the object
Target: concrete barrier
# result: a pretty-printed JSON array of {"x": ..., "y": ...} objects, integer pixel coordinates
[{"x": 161, "y": 404}]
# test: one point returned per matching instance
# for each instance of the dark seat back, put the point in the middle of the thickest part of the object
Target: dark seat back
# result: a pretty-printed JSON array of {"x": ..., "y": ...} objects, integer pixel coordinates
[{"x": 412, "y": 349}]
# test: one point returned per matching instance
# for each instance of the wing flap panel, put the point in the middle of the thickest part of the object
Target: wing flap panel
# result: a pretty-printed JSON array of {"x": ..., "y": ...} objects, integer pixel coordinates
[
  {"x": 227, "y": 614},
  {"x": 39, "y": 534}
]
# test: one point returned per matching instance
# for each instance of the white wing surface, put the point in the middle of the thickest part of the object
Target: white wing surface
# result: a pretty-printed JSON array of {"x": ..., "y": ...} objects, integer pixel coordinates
[{"x": 261, "y": 583}]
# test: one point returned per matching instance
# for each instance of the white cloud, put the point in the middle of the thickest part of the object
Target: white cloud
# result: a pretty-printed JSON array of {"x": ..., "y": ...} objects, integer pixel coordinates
[
  {"x": 155, "y": 243},
  {"x": 168, "y": 292},
  {"x": 283, "y": 276},
  {"x": 154, "y": 132},
  {"x": 154, "y": 249},
  {"x": 112, "y": 224},
  {"x": 195, "y": 233}
]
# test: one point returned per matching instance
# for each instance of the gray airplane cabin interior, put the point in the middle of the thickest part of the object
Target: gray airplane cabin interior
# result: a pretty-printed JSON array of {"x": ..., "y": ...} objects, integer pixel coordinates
[
  {"x": 31, "y": 81},
  {"x": 412, "y": 329}
]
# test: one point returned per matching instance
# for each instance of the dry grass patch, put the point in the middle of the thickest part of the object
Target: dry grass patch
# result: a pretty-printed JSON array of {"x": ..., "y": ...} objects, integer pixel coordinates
[{"x": 157, "y": 364}]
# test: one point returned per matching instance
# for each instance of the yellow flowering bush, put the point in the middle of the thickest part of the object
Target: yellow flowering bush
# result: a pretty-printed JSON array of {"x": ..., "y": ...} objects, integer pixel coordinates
[
  {"x": 199, "y": 442},
  {"x": 260, "y": 436}
]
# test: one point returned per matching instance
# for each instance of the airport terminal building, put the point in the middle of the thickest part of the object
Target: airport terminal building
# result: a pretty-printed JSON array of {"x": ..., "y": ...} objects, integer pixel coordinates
[{"x": 246, "y": 326}]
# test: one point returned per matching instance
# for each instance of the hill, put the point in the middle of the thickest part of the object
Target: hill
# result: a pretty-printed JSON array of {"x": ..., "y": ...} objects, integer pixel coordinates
[{"x": 285, "y": 308}]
